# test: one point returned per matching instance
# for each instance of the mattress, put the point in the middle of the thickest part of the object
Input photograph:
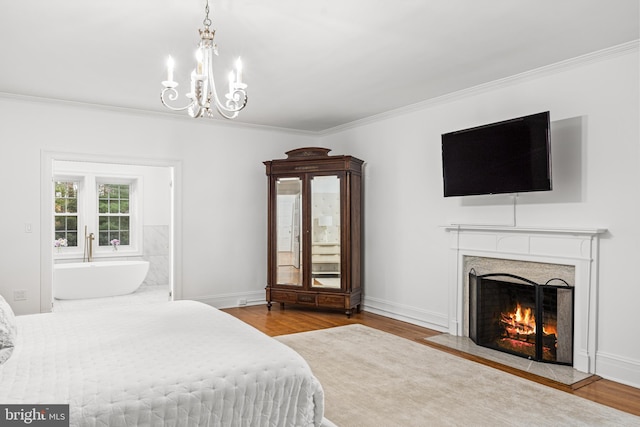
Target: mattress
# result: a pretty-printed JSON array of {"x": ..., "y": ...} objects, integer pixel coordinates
[{"x": 182, "y": 363}]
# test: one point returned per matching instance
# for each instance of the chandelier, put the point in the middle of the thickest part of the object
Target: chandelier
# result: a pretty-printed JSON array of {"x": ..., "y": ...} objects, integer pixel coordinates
[{"x": 203, "y": 95}]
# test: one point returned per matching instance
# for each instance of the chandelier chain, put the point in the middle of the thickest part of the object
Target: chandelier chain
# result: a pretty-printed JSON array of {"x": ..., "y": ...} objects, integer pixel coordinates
[{"x": 207, "y": 21}]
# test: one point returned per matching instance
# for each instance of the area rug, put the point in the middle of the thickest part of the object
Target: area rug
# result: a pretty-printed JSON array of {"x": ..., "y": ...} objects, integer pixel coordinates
[{"x": 372, "y": 378}]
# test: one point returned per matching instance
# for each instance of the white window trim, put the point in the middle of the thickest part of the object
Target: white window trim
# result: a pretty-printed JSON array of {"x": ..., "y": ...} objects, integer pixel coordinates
[
  {"x": 136, "y": 223},
  {"x": 71, "y": 252},
  {"x": 88, "y": 215}
]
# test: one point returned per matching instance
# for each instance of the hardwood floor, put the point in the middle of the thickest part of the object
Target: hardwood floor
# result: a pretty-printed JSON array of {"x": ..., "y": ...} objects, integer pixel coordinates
[{"x": 293, "y": 319}]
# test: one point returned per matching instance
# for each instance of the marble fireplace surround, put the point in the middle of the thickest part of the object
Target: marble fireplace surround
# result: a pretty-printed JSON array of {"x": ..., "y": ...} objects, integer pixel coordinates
[{"x": 571, "y": 249}]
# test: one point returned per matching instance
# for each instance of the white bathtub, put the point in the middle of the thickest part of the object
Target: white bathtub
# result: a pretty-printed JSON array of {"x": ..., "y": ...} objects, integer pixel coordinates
[{"x": 97, "y": 279}]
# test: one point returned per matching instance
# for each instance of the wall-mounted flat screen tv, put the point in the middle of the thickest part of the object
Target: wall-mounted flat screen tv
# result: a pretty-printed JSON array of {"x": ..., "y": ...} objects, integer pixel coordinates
[{"x": 512, "y": 156}]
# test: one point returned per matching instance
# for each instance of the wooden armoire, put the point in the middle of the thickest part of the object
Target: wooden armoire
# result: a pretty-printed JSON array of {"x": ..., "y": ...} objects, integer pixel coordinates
[{"x": 315, "y": 230}]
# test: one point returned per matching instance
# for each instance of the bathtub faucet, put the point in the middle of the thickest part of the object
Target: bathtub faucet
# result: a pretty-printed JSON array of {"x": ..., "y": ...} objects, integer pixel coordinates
[{"x": 88, "y": 246}]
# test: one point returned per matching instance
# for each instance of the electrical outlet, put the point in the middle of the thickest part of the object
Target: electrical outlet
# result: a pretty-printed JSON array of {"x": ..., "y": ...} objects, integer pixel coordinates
[
  {"x": 242, "y": 301},
  {"x": 20, "y": 295}
]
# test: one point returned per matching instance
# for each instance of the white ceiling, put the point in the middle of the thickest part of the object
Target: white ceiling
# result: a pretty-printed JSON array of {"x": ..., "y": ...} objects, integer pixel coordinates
[{"x": 309, "y": 65}]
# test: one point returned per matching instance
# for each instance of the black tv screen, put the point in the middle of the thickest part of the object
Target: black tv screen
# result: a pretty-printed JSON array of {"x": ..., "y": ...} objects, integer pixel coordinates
[{"x": 512, "y": 156}]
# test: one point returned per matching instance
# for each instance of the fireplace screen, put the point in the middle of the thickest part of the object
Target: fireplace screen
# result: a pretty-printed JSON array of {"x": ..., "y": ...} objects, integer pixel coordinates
[{"x": 518, "y": 316}]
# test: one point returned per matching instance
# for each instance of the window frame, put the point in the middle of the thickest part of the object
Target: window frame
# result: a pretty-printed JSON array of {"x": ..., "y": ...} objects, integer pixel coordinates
[
  {"x": 135, "y": 215},
  {"x": 88, "y": 214},
  {"x": 69, "y": 251}
]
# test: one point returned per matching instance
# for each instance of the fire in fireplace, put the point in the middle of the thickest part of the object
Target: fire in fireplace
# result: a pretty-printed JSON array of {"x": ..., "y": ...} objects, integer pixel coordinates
[{"x": 521, "y": 317}]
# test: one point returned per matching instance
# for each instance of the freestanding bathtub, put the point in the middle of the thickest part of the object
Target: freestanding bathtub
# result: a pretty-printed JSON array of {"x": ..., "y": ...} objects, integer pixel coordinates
[{"x": 80, "y": 280}]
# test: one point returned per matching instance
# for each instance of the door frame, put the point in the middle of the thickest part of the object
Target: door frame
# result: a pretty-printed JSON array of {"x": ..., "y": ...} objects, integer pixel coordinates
[{"x": 46, "y": 219}]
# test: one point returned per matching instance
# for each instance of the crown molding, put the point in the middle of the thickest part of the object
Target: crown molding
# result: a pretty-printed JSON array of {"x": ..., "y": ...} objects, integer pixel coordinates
[
  {"x": 152, "y": 113},
  {"x": 597, "y": 56}
]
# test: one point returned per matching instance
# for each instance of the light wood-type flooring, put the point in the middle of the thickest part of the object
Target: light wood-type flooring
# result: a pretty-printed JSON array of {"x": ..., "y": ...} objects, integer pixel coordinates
[{"x": 295, "y": 319}]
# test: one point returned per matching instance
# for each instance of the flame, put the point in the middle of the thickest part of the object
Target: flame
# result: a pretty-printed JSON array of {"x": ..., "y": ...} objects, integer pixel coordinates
[
  {"x": 520, "y": 322},
  {"x": 549, "y": 330},
  {"x": 527, "y": 318}
]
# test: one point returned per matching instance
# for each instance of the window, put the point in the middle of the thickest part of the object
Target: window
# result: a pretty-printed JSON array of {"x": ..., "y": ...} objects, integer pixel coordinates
[
  {"x": 66, "y": 213},
  {"x": 114, "y": 218},
  {"x": 109, "y": 206}
]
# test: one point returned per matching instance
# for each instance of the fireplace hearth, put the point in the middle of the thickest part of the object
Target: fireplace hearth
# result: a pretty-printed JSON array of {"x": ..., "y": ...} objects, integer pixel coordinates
[{"x": 515, "y": 315}]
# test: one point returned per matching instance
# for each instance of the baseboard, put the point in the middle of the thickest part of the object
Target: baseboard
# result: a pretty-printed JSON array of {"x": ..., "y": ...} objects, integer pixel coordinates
[
  {"x": 619, "y": 369},
  {"x": 236, "y": 299},
  {"x": 406, "y": 313}
]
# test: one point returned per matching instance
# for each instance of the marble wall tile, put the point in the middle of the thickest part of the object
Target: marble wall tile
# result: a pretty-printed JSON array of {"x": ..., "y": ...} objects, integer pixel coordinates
[
  {"x": 156, "y": 251},
  {"x": 156, "y": 240}
]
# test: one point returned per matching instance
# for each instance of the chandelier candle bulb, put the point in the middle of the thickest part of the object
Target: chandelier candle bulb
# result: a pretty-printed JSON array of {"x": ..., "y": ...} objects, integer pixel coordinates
[
  {"x": 169, "y": 83},
  {"x": 199, "y": 60}
]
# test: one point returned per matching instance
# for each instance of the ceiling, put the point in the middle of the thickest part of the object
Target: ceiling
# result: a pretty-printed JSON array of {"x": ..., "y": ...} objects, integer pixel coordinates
[{"x": 310, "y": 66}]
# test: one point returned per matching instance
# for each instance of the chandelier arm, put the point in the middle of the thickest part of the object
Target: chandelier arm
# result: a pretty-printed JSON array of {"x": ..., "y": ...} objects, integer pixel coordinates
[
  {"x": 233, "y": 104},
  {"x": 173, "y": 95},
  {"x": 213, "y": 89},
  {"x": 235, "y": 97}
]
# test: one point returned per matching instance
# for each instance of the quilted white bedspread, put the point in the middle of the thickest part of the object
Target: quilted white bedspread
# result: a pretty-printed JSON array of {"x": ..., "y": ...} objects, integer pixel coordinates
[{"x": 182, "y": 363}]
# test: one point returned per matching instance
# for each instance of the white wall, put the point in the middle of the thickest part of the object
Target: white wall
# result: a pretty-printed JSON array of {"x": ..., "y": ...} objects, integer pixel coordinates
[
  {"x": 223, "y": 190},
  {"x": 596, "y": 169}
]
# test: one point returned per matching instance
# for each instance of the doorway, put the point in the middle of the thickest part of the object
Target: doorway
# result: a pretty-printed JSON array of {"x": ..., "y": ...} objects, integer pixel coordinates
[{"x": 157, "y": 239}]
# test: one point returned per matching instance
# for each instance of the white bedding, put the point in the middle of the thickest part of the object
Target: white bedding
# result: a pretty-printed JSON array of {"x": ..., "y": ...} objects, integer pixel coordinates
[{"x": 177, "y": 364}]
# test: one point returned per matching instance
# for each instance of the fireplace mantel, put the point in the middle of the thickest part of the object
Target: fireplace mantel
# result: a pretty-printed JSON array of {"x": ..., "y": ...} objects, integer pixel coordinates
[
  {"x": 574, "y": 247},
  {"x": 529, "y": 230}
]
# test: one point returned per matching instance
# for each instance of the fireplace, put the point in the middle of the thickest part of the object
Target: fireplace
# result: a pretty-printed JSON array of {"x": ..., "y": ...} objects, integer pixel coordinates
[
  {"x": 576, "y": 248},
  {"x": 518, "y": 316}
]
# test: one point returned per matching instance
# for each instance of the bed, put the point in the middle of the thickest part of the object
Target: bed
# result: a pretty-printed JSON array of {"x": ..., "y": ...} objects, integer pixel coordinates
[{"x": 180, "y": 363}]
